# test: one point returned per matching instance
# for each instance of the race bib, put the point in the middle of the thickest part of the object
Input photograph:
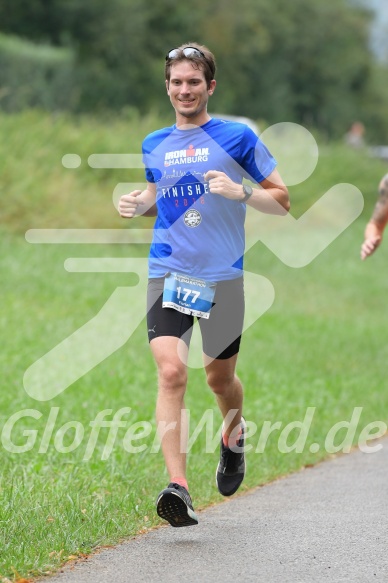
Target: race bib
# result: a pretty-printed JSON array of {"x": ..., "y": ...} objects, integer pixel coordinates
[{"x": 188, "y": 294}]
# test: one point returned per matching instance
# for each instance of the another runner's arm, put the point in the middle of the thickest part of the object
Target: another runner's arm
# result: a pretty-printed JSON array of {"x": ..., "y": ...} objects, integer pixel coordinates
[
  {"x": 270, "y": 196},
  {"x": 375, "y": 228},
  {"x": 138, "y": 202}
]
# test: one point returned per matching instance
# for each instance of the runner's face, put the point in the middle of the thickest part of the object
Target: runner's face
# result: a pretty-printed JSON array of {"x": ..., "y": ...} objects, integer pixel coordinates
[{"x": 188, "y": 92}]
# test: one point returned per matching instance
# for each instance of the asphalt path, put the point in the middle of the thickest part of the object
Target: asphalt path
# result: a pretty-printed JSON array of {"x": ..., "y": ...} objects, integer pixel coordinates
[{"x": 325, "y": 523}]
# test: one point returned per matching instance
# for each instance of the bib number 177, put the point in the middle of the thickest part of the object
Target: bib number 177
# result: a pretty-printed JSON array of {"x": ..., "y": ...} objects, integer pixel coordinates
[{"x": 185, "y": 292}]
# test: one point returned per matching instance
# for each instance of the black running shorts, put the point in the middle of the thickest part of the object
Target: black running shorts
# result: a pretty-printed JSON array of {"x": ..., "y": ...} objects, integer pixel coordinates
[{"x": 221, "y": 333}]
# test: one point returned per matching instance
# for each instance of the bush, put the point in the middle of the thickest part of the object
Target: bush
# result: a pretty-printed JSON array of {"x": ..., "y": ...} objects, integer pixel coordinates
[{"x": 34, "y": 75}]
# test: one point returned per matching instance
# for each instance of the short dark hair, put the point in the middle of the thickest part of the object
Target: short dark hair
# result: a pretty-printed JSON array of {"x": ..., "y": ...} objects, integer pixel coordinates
[{"x": 207, "y": 63}]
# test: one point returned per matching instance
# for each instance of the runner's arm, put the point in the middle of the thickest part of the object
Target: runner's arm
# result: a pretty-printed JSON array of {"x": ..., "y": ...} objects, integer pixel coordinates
[
  {"x": 375, "y": 228},
  {"x": 138, "y": 203},
  {"x": 270, "y": 196}
]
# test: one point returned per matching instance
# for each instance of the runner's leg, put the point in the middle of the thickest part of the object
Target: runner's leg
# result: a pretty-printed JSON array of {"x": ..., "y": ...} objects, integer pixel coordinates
[
  {"x": 221, "y": 335},
  {"x": 225, "y": 384},
  {"x": 170, "y": 408}
]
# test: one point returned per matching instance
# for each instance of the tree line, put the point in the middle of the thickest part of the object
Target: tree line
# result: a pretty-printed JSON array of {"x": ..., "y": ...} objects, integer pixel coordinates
[{"x": 306, "y": 61}]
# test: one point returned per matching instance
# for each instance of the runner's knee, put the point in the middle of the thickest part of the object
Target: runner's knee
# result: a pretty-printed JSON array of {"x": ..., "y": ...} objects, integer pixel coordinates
[
  {"x": 172, "y": 377},
  {"x": 220, "y": 382}
]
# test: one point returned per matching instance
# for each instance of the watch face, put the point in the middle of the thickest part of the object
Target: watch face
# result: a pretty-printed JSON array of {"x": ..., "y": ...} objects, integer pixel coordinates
[{"x": 248, "y": 191}]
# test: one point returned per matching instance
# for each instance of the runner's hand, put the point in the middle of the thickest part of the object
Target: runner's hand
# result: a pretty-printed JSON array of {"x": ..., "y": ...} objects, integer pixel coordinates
[
  {"x": 220, "y": 183},
  {"x": 373, "y": 238},
  {"x": 369, "y": 246},
  {"x": 128, "y": 204}
]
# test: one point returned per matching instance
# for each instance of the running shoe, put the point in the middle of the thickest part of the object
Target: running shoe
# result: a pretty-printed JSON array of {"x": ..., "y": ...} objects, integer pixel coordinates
[
  {"x": 231, "y": 467},
  {"x": 174, "y": 505}
]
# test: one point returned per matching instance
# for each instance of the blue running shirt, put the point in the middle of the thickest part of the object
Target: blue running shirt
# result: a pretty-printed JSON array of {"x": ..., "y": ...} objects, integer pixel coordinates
[{"x": 196, "y": 232}]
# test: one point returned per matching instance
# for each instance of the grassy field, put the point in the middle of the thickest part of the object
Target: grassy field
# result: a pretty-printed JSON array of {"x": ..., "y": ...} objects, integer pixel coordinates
[{"x": 322, "y": 345}]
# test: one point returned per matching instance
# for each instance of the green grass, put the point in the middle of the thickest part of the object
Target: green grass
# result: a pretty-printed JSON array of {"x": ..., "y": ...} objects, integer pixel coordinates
[{"x": 322, "y": 344}]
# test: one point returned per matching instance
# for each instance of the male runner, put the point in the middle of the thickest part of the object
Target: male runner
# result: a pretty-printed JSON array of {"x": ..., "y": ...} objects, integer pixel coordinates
[{"x": 195, "y": 171}]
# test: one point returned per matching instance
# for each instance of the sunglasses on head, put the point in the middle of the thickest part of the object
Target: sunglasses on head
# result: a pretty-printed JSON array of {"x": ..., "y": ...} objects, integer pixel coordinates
[{"x": 188, "y": 52}]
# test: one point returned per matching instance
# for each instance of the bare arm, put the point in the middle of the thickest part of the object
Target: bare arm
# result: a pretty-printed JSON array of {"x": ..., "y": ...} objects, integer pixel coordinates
[
  {"x": 138, "y": 203},
  {"x": 270, "y": 196},
  {"x": 375, "y": 228}
]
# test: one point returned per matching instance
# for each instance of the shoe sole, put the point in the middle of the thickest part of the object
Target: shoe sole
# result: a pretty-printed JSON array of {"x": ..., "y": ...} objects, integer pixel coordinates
[{"x": 172, "y": 508}]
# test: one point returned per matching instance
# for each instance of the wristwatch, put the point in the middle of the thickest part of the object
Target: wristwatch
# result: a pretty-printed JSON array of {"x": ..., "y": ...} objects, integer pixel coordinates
[{"x": 248, "y": 191}]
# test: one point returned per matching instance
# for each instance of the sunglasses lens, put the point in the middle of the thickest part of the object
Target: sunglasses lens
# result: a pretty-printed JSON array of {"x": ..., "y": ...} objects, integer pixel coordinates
[
  {"x": 172, "y": 54},
  {"x": 190, "y": 51}
]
